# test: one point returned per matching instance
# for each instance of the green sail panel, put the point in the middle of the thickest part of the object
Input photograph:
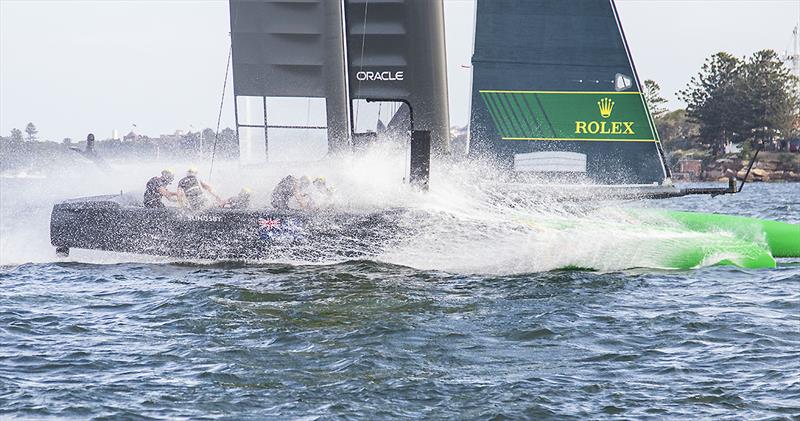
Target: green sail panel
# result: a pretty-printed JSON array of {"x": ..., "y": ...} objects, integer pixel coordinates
[{"x": 569, "y": 116}]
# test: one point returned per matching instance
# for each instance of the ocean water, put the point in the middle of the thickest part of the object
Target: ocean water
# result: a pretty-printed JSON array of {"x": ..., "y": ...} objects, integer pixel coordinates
[{"x": 457, "y": 336}]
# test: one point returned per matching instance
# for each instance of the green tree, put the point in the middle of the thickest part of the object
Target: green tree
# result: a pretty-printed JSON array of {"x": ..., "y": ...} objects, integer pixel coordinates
[
  {"x": 735, "y": 100},
  {"x": 677, "y": 131},
  {"x": 30, "y": 129},
  {"x": 773, "y": 101},
  {"x": 16, "y": 135},
  {"x": 209, "y": 140},
  {"x": 652, "y": 95},
  {"x": 228, "y": 143},
  {"x": 713, "y": 99}
]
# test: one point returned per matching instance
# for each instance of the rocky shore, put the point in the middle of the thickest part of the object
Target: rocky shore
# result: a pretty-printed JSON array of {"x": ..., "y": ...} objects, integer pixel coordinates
[{"x": 769, "y": 167}]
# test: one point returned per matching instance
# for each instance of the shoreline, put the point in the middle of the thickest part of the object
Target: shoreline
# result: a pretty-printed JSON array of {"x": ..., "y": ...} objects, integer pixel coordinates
[{"x": 692, "y": 166}]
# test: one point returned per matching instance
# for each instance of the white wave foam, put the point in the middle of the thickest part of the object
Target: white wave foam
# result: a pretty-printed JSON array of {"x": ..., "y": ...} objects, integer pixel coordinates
[{"x": 467, "y": 225}]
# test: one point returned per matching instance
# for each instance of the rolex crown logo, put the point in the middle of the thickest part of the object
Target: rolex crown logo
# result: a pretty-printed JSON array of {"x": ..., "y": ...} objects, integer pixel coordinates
[{"x": 606, "y": 105}]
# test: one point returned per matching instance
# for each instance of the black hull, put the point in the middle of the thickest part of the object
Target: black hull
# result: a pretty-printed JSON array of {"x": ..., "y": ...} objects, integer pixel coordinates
[{"x": 113, "y": 224}]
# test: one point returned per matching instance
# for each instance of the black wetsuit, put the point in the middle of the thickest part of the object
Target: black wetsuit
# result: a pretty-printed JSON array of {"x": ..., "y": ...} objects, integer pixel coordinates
[
  {"x": 193, "y": 191},
  {"x": 283, "y": 192},
  {"x": 152, "y": 195}
]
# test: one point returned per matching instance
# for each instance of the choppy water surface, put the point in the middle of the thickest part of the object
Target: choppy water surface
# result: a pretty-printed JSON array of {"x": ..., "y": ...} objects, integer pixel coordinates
[{"x": 366, "y": 339}]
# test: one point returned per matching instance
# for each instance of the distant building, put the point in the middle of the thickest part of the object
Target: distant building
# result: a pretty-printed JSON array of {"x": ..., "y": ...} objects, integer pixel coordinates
[
  {"x": 131, "y": 137},
  {"x": 689, "y": 169},
  {"x": 175, "y": 137}
]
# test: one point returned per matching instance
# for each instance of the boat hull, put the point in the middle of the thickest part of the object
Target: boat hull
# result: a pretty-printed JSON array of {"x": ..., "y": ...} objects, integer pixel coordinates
[
  {"x": 782, "y": 238},
  {"x": 118, "y": 224},
  {"x": 109, "y": 223},
  {"x": 734, "y": 240}
]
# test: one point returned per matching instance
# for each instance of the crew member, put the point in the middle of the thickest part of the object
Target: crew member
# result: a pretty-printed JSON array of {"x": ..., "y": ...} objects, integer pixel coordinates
[
  {"x": 321, "y": 194},
  {"x": 157, "y": 188},
  {"x": 89, "y": 144},
  {"x": 191, "y": 192},
  {"x": 287, "y": 189},
  {"x": 240, "y": 201}
]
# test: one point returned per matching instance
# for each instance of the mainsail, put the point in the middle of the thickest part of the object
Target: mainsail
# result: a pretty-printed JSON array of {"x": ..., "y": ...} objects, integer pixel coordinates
[
  {"x": 339, "y": 50},
  {"x": 555, "y": 90},
  {"x": 396, "y": 52},
  {"x": 287, "y": 48}
]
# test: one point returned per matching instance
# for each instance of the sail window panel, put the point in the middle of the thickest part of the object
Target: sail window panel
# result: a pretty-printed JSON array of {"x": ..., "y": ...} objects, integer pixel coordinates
[
  {"x": 377, "y": 116},
  {"x": 288, "y": 111},
  {"x": 297, "y": 145},
  {"x": 252, "y": 146},
  {"x": 250, "y": 110},
  {"x": 550, "y": 162}
]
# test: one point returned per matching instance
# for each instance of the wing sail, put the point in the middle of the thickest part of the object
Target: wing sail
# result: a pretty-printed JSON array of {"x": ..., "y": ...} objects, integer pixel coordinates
[{"x": 557, "y": 76}]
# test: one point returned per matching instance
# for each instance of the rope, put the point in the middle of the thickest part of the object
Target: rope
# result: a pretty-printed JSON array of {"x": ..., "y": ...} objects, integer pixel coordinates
[
  {"x": 361, "y": 62},
  {"x": 308, "y": 116},
  {"x": 219, "y": 116}
]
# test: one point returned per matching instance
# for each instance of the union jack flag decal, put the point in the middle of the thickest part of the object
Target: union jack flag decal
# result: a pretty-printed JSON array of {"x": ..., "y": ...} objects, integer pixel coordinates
[{"x": 269, "y": 223}]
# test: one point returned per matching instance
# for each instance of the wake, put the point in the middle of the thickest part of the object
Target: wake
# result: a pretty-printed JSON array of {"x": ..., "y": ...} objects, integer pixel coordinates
[{"x": 463, "y": 224}]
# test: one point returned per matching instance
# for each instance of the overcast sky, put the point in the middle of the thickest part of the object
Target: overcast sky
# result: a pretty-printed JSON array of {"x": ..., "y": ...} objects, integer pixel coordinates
[{"x": 72, "y": 67}]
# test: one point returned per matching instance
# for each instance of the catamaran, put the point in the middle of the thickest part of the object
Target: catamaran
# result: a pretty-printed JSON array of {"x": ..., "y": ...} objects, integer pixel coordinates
[{"x": 555, "y": 97}]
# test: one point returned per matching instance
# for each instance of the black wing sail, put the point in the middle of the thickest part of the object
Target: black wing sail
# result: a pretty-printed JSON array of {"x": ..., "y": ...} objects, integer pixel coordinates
[
  {"x": 396, "y": 52},
  {"x": 288, "y": 48},
  {"x": 555, "y": 90}
]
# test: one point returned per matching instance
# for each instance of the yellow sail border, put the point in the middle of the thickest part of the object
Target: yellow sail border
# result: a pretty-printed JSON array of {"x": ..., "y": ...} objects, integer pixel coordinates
[
  {"x": 492, "y": 91},
  {"x": 565, "y": 139}
]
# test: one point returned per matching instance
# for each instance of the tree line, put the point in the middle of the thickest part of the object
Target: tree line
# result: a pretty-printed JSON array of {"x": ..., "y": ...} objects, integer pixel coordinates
[
  {"x": 201, "y": 144},
  {"x": 30, "y": 130},
  {"x": 732, "y": 101}
]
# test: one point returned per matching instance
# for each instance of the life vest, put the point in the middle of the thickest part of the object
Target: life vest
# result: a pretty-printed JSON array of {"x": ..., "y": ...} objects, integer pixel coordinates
[
  {"x": 152, "y": 196},
  {"x": 193, "y": 191}
]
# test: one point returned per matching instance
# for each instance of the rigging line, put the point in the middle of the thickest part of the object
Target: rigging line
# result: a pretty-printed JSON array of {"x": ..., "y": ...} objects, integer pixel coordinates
[
  {"x": 361, "y": 60},
  {"x": 308, "y": 112},
  {"x": 219, "y": 116}
]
